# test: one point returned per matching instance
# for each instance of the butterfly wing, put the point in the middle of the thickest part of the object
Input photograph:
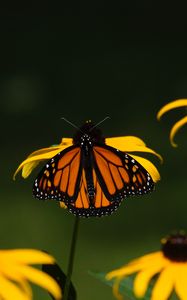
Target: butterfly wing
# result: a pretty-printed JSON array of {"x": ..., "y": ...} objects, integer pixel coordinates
[
  {"x": 96, "y": 205},
  {"x": 115, "y": 175},
  {"x": 119, "y": 174},
  {"x": 60, "y": 178}
]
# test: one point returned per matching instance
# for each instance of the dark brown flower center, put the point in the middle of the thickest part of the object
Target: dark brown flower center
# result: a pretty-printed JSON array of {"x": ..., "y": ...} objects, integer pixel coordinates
[{"x": 175, "y": 247}]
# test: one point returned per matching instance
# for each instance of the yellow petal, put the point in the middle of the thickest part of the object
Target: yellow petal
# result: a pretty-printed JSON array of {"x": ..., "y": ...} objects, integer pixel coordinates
[
  {"x": 19, "y": 273},
  {"x": 42, "y": 279},
  {"x": 142, "y": 279},
  {"x": 124, "y": 271},
  {"x": 123, "y": 141},
  {"x": 146, "y": 261},
  {"x": 67, "y": 142},
  {"x": 130, "y": 144},
  {"x": 181, "y": 282},
  {"x": 25, "y": 286},
  {"x": 32, "y": 161},
  {"x": 12, "y": 272},
  {"x": 141, "y": 263},
  {"x": 26, "y": 256},
  {"x": 151, "y": 169},
  {"x": 154, "y": 256},
  {"x": 144, "y": 149},
  {"x": 164, "y": 285},
  {"x": 44, "y": 150},
  {"x": 9, "y": 291},
  {"x": 28, "y": 167},
  {"x": 42, "y": 154},
  {"x": 152, "y": 262},
  {"x": 175, "y": 128},
  {"x": 63, "y": 205},
  {"x": 116, "y": 288},
  {"x": 171, "y": 105}
]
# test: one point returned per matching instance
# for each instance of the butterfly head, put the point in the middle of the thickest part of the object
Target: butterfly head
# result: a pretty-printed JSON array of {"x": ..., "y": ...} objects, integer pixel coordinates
[{"x": 88, "y": 133}]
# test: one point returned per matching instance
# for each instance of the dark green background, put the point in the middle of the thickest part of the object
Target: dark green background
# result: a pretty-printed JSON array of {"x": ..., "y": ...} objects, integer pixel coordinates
[{"x": 90, "y": 61}]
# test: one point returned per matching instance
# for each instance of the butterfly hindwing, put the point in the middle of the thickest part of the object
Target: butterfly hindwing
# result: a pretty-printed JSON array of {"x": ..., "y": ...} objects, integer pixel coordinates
[
  {"x": 119, "y": 174},
  {"x": 60, "y": 178},
  {"x": 98, "y": 205}
]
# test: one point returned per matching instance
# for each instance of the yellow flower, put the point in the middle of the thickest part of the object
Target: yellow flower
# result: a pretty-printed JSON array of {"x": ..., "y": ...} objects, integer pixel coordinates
[
  {"x": 126, "y": 144},
  {"x": 170, "y": 262},
  {"x": 15, "y": 272},
  {"x": 180, "y": 123}
]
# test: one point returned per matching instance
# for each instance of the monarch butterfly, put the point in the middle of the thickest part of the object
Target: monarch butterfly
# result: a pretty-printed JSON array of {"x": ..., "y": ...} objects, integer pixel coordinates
[{"x": 90, "y": 177}]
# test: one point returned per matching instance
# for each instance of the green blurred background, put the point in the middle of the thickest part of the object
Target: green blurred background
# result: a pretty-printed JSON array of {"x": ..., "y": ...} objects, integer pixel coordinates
[{"x": 89, "y": 61}]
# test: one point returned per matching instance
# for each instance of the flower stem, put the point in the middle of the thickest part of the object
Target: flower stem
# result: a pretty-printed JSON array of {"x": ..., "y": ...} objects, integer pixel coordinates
[{"x": 71, "y": 258}]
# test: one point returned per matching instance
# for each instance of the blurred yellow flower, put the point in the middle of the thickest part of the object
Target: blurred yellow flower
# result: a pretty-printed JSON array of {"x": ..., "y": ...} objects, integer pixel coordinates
[
  {"x": 15, "y": 272},
  {"x": 126, "y": 144},
  {"x": 170, "y": 262},
  {"x": 180, "y": 123}
]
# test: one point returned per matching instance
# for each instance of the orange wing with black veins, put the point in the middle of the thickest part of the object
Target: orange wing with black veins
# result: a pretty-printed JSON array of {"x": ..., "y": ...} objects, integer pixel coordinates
[{"x": 60, "y": 178}]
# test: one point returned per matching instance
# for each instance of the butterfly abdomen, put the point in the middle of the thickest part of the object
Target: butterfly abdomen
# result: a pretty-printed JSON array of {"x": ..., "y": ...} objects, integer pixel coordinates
[{"x": 88, "y": 168}]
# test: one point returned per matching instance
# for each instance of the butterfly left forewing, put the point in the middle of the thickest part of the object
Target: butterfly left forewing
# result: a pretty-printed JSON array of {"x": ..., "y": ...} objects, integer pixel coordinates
[
  {"x": 60, "y": 177},
  {"x": 119, "y": 174}
]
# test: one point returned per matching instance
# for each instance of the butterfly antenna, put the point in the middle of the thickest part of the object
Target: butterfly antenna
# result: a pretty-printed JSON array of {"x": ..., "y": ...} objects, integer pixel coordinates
[
  {"x": 67, "y": 121},
  {"x": 100, "y": 122}
]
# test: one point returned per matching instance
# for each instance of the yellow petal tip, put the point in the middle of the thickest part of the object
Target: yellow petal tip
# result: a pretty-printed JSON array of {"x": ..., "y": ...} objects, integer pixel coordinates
[
  {"x": 171, "y": 105},
  {"x": 173, "y": 144},
  {"x": 159, "y": 115},
  {"x": 107, "y": 277},
  {"x": 63, "y": 205}
]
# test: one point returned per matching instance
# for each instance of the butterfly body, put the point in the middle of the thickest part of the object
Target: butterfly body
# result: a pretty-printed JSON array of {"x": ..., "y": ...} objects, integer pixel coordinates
[
  {"x": 90, "y": 177},
  {"x": 88, "y": 135}
]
